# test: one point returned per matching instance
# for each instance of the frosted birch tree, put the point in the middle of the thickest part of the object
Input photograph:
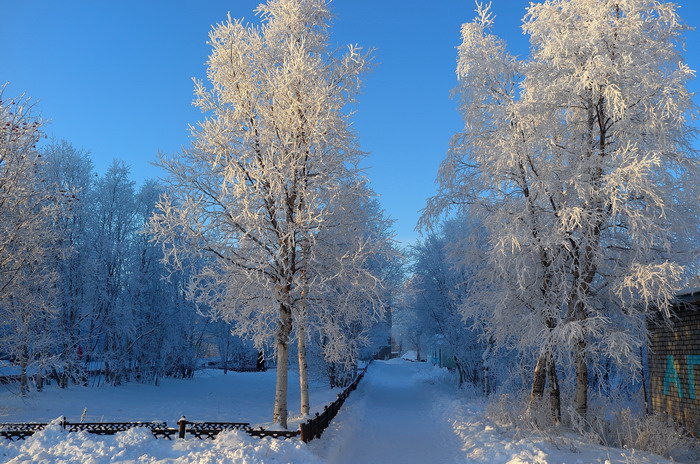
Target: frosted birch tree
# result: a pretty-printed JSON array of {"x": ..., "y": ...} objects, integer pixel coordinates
[
  {"x": 115, "y": 229},
  {"x": 28, "y": 212},
  {"x": 349, "y": 273},
  {"x": 579, "y": 159},
  {"x": 274, "y": 150}
]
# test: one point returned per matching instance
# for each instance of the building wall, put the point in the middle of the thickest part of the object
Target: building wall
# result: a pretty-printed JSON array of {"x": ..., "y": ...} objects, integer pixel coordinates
[
  {"x": 441, "y": 355},
  {"x": 674, "y": 367}
]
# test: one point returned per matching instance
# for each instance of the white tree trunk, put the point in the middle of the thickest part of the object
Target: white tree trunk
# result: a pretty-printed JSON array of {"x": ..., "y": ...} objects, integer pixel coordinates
[
  {"x": 301, "y": 336},
  {"x": 285, "y": 328},
  {"x": 23, "y": 381},
  {"x": 303, "y": 369}
]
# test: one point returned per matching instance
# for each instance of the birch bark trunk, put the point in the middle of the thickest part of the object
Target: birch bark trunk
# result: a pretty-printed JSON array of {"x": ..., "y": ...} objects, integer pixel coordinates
[
  {"x": 303, "y": 369},
  {"x": 285, "y": 328}
]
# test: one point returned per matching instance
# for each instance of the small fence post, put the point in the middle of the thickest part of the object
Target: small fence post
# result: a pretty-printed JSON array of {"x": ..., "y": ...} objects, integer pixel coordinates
[
  {"x": 304, "y": 432},
  {"x": 181, "y": 427},
  {"x": 64, "y": 423}
]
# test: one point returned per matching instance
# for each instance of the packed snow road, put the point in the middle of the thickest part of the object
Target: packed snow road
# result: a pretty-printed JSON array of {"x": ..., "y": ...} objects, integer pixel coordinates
[{"x": 392, "y": 418}]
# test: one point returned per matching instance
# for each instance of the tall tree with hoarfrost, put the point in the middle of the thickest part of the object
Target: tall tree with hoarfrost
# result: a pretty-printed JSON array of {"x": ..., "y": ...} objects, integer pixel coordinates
[
  {"x": 69, "y": 171},
  {"x": 28, "y": 211},
  {"x": 352, "y": 266},
  {"x": 276, "y": 149},
  {"x": 580, "y": 161},
  {"x": 445, "y": 266}
]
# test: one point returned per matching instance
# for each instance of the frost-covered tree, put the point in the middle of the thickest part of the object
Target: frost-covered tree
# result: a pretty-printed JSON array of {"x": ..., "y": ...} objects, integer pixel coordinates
[
  {"x": 163, "y": 323},
  {"x": 114, "y": 229},
  {"x": 355, "y": 269},
  {"x": 28, "y": 210},
  {"x": 445, "y": 269},
  {"x": 275, "y": 150},
  {"x": 109, "y": 288},
  {"x": 69, "y": 171},
  {"x": 579, "y": 160}
]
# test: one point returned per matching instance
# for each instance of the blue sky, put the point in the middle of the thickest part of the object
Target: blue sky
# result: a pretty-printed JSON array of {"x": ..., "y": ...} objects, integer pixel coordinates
[{"x": 115, "y": 78}]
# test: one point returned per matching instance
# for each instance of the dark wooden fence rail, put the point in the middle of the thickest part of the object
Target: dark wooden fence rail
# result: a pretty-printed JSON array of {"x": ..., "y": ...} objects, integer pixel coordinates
[
  {"x": 22, "y": 431},
  {"x": 313, "y": 428},
  {"x": 19, "y": 431}
]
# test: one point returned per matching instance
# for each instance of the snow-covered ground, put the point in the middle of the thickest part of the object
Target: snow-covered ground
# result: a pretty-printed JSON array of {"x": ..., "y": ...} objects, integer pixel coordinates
[
  {"x": 408, "y": 412},
  {"x": 211, "y": 396},
  {"x": 402, "y": 412}
]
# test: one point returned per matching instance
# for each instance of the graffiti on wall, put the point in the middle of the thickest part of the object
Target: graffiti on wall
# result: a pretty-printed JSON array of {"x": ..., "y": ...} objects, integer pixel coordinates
[{"x": 674, "y": 384}]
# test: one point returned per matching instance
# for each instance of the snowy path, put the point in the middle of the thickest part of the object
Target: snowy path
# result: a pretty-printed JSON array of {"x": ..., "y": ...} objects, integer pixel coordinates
[
  {"x": 409, "y": 413},
  {"x": 391, "y": 419}
]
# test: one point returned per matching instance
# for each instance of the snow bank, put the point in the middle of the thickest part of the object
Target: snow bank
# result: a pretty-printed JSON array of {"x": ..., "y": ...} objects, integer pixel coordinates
[
  {"x": 137, "y": 445},
  {"x": 485, "y": 442},
  {"x": 433, "y": 375}
]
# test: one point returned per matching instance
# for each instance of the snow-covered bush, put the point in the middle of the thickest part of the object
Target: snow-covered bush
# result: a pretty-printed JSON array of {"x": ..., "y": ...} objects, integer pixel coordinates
[
  {"x": 656, "y": 433},
  {"x": 514, "y": 410},
  {"x": 622, "y": 427},
  {"x": 611, "y": 423}
]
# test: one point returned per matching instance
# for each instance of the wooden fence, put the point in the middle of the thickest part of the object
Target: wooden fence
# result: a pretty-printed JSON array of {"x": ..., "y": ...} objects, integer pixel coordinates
[
  {"x": 313, "y": 428},
  {"x": 22, "y": 431}
]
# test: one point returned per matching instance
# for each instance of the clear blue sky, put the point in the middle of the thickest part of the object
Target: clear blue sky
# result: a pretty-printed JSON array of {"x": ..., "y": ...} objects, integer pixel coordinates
[{"x": 114, "y": 77}]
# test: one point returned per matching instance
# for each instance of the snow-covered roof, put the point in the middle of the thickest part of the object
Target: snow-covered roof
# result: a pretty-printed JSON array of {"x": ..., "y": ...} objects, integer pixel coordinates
[{"x": 689, "y": 295}]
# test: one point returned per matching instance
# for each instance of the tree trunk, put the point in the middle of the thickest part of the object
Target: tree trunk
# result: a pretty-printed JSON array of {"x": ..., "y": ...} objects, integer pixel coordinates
[
  {"x": 225, "y": 357},
  {"x": 260, "y": 363},
  {"x": 539, "y": 378},
  {"x": 546, "y": 370},
  {"x": 332, "y": 377},
  {"x": 285, "y": 327},
  {"x": 554, "y": 395},
  {"x": 23, "y": 382},
  {"x": 303, "y": 369},
  {"x": 461, "y": 370},
  {"x": 301, "y": 335},
  {"x": 581, "y": 395},
  {"x": 644, "y": 380},
  {"x": 487, "y": 381}
]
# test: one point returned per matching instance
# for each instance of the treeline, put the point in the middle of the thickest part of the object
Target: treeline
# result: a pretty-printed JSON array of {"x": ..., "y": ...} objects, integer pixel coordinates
[
  {"x": 83, "y": 286},
  {"x": 86, "y": 296}
]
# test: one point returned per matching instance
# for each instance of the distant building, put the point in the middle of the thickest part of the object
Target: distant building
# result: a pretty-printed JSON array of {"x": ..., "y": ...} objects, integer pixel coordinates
[
  {"x": 440, "y": 353},
  {"x": 395, "y": 347}
]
